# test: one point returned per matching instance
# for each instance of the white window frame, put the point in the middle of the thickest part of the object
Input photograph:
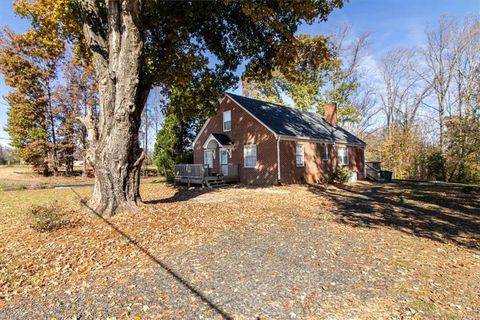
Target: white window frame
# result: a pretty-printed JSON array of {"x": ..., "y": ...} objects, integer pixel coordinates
[
  {"x": 325, "y": 152},
  {"x": 229, "y": 122},
  {"x": 205, "y": 152},
  {"x": 245, "y": 148},
  {"x": 301, "y": 154},
  {"x": 342, "y": 157}
]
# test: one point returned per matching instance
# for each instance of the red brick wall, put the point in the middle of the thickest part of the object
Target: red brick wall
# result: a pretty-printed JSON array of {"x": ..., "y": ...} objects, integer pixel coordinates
[
  {"x": 314, "y": 168},
  {"x": 356, "y": 161},
  {"x": 245, "y": 130}
]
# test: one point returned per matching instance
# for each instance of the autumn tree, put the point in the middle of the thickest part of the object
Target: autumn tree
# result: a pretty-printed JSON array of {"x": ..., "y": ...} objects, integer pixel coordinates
[
  {"x": 28, "y": 62},
  {"x": 312, "y": 86},
  {"x": 136, "y": 45},
  {"x": 78, "y": 100}
]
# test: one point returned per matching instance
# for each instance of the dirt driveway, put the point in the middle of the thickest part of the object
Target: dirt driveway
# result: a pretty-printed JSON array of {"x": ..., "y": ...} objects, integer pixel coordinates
[{"x": 364, "y": 251}]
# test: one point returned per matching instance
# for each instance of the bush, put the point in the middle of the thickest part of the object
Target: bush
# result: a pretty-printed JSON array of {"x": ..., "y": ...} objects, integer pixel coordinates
[
  {"x": 340, "y": 175},
  {"x": 329, "y": 177},
  {"x": 343, "y": 175},
  {"x": 48, "y": 218}
]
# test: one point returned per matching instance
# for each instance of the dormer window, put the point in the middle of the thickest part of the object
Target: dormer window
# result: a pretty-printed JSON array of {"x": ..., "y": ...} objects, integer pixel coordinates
[{"x": 227, "y": 121}]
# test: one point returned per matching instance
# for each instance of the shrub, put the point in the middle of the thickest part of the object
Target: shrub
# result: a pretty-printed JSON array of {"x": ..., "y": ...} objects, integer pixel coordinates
[
  {"x": 340, "y": 175},
  {"x": 329, "y": 177},
  {"x": 48, "y": 217},
  {"x": 343, "y": 175}
]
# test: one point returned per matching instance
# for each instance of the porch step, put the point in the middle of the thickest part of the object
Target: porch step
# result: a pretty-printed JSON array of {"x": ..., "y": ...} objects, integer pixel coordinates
[{"x": 214, "y": 182}]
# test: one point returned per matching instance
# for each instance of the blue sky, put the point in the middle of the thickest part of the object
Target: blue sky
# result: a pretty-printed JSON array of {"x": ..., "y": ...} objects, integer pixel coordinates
[{"x": 392, "y": 23}]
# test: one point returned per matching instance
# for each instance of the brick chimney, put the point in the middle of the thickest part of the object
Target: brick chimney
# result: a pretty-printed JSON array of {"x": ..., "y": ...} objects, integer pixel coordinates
[{"x": 330, "y": 114}]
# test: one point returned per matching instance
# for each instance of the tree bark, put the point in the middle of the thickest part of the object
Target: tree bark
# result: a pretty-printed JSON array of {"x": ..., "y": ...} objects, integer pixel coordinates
[{"x": 114, "y": 145}]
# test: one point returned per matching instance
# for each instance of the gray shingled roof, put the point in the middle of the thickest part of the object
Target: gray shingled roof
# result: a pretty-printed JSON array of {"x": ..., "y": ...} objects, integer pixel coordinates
[
  {"x": 295, "y": 123},
  {"x": 223, "y": 139}
]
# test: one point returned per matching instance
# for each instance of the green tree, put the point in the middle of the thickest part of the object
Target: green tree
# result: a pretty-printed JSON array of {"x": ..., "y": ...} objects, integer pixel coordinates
[
  {"x": 173, "y": 145},
  {"x": 30, "y": 116},
  {"x": 138, "y": 44},
  {"x": 462, "y": 139},
  {"x": 312, "y": 85}
]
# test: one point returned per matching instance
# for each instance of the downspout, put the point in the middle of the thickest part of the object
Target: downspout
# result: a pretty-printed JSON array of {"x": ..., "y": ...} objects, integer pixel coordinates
[
  {"x": 364, "y": 166},
  {"x": 278, "y": 160}
]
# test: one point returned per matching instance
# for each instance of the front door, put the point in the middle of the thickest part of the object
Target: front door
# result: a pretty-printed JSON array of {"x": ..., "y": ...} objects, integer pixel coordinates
[{"x": 224, "y": 161}]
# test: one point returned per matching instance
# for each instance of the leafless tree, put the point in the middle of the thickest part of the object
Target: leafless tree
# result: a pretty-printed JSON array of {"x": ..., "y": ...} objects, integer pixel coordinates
[{"x": 404, "y": 89}]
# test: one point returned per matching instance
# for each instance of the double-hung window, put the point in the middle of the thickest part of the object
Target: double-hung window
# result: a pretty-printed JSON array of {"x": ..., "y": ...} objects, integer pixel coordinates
[
  {"x": 208, "y": 158},
  {"x": 324, "y": 152},
  {"x": 227, "y": 121},
  {"x": 250, "y": 156},
  {"x": 300, "y": 155},
  {"x": 342, "y": 156}
]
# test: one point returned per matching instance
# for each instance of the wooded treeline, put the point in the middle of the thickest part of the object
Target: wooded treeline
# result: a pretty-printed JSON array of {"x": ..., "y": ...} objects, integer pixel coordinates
[
  {"x": 429, "y": 98},
  {"x": 418, "y": 110},
  {"x": 51, "y": 88}
]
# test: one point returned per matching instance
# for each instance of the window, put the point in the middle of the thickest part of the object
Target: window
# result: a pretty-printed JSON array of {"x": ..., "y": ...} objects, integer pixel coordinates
[
  {"x": 324, "y": 152},
  {"x": 342, "y": 156},
  {"x": 250, "y": 156},
  {"x": 208, "y": 158},
  {"x": 227, "y": 121},
  {"x": 300, "y": 155}
]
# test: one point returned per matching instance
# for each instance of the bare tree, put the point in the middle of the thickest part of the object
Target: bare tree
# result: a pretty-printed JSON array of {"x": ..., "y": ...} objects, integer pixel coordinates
[
  {"x": 441, "y": 54},
  {"x": 353, "y": 52},
  {"x": 404, "y": 89}
]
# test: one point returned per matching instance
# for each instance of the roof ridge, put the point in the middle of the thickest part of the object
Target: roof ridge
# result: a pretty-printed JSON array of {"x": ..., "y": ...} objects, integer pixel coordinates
[
  {"x": 285, "y": 106},
  {"x": 307, "y": 125}
]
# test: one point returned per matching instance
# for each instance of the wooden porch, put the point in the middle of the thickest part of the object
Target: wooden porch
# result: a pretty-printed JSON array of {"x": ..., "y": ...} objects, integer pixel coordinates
[{"x": 201, "y": 174}]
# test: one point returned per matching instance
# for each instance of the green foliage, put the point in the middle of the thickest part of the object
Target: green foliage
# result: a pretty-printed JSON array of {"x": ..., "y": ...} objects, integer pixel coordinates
[
  {"x": 463, "y": 149},
  {"x": 340, "y": 175},
  {"x": 312, "y": 86},
  {"x": 343, "y": 175},
  {"x": 172, "y": 145},
  {"x": 435, "y": 165},
  {"x": 48, "y": 217},
  {"x": 329, "y": 177}
]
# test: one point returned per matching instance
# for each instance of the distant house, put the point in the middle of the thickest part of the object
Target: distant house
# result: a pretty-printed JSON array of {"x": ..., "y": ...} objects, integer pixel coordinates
[{"x": 257, "y": 142}]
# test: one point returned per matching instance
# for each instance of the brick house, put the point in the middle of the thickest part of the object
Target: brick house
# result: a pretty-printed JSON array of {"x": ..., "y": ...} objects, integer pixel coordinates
[{"x": 263, "y": 143}]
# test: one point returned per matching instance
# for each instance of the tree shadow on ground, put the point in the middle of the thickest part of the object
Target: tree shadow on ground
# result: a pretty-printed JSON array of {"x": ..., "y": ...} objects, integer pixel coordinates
[
  {"x": 182, "y": 193},
  {"x": 438, "y": 213},
  {"x": 185, "y": 193},
  {"x": 179, "y": 278}
]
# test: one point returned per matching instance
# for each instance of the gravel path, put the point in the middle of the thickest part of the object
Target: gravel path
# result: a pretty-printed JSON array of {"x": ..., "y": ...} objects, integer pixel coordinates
[
  {"x": 269, "y": 273},
  {"x": 364, "y": 252}
]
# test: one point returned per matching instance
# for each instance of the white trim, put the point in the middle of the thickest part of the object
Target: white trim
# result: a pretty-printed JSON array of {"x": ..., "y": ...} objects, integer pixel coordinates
[
  {"x": 220, "y": 158},
  {"x": 278, "y": 159},
  {"x": 205, "y": 152},
  {"x": 223, "y": 120},
  {"x": 200, "y": 132},
  {"x": 256, "y": 156},
  {"x": 303, "y": 155},
  {"x": 325, "y": 147},
  {"x": 293, "y": 138},
  {"x": 364, "y": 165},
  {"x": 204, "y": 126},
  {"x": 263, "y": 124},
  {"x": 210, "y": 138},
  {"x": 344, "y": 146}
]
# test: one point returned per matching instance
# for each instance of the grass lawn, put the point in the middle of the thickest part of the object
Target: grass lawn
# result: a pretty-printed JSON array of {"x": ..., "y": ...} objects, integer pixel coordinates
[
  {"x": 362, "y": 251},
  {"x": 24, "y": 177}
]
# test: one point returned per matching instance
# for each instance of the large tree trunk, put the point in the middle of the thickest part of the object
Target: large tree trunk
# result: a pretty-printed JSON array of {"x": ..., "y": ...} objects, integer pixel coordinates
[
  {"x": 118, "y": 159},
  {"x": 115, "y": 152}
]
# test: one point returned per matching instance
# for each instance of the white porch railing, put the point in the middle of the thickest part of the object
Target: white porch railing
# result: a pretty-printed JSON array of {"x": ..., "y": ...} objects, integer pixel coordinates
[
  {"x": 196, "y": 173},
  {"x": 190, "y": 173}
]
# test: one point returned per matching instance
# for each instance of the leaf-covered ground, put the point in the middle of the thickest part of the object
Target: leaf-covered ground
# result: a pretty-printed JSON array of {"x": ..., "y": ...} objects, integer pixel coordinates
[{"x": 363, "y": 251}]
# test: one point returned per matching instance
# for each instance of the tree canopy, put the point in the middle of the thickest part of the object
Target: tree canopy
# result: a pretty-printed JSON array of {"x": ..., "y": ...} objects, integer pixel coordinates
[{"x": 189, "y": 50}]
